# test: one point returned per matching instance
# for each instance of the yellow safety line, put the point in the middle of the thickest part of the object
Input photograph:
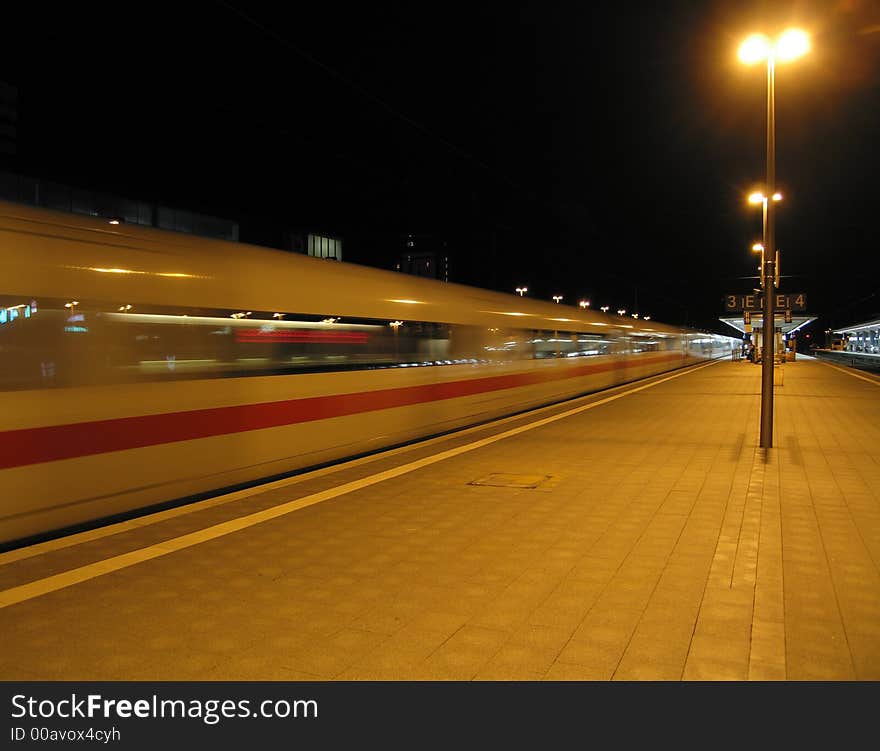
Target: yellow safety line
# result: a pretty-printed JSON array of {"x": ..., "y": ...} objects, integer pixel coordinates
[{"x": 48, "y": 584}]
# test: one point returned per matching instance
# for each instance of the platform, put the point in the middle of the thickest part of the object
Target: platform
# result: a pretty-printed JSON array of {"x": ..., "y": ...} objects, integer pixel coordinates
[{"x": 635, "y": 534}]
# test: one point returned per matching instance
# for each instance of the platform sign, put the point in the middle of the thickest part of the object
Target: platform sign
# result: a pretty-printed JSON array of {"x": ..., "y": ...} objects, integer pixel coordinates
[{"x": 794, "y": 301}]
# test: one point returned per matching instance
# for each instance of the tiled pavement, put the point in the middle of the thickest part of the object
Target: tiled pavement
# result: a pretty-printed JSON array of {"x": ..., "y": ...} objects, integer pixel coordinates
[{"x": 664, "y": 546}]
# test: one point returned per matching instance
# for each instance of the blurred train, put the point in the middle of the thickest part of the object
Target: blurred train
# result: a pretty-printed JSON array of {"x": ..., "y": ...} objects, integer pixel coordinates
[{"x": 139, "y": 366}]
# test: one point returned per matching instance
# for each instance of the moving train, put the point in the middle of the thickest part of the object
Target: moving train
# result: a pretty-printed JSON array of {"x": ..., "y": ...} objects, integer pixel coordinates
[{"x": 139, "y": 366}]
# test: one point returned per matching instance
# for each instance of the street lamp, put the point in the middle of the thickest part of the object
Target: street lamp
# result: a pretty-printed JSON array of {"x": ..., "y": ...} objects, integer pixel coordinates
[
  {"x": 605, "y": 308},
  {"x": 758, "y": 248},
  {"x": 557, "y": 298},
  {"x": 758, "y": 48},
  {"x": 584, "y": 304},
  {"x": 522, "y": 290},
  {"x": 621, "y": 312}
]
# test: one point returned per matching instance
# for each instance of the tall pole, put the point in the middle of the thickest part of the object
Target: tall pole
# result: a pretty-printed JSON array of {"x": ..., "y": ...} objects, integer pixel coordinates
[{"x": 769, "y": 272}]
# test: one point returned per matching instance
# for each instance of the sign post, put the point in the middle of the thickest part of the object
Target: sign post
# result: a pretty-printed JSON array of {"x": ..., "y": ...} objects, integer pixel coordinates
[{"x": 766, "y": 303}]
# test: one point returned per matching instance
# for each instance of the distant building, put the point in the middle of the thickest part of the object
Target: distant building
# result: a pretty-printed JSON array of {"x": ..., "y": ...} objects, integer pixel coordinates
[
  {"x": 312, "y": 244},
  {"x": 52, "y": 195},
  {"x": 425, "y": 255},
  {"x": 59, "y": 197}
]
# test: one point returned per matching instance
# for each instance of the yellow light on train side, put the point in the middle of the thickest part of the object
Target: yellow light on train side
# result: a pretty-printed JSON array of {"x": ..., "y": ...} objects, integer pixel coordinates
[{"x": 174, "y": 274}]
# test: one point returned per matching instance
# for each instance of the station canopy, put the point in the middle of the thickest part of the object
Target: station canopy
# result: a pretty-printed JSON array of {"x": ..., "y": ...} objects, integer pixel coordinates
[
  {"x": 798, "y": 320},
  {"x": 857, "y": 328}
]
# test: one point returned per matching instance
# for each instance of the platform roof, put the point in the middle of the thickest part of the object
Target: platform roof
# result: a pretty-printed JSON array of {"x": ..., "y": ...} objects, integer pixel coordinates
[
  {"x": 867, "y": 325},
  {"x": 797, "y": 321}
]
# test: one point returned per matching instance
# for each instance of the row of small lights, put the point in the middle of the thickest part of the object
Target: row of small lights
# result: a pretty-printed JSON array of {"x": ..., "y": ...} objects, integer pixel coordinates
[{"x": 586, "y": 303}]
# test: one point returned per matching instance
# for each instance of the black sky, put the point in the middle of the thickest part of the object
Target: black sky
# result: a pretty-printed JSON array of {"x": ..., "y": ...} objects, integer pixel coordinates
[{"x": 599, "y": 150}]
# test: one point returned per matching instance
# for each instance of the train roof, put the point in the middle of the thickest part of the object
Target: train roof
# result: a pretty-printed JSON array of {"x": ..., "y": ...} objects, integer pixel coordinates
[{"x": 60, "y": 255}]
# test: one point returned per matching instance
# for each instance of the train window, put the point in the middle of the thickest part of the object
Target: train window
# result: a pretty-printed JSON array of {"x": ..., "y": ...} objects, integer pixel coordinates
[
  {"x": 57, "y": 343},
  {"x": 644, "y": 343},
  {"x": 60, "y": 343},
  {"x": 569, "y": 344},
  {"x": 489, "y": 344}
]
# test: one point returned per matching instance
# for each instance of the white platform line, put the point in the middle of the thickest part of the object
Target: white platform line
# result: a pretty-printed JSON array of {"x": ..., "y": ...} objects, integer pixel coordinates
[{"x": 49, "y": 584}]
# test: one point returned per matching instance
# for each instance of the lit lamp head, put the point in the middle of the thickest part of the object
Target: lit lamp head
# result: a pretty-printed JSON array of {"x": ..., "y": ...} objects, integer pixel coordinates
[
  {"x": 759, "y": 198},
  {"x": 791, "y": 44},
  {"x": 755, "y": 49}
]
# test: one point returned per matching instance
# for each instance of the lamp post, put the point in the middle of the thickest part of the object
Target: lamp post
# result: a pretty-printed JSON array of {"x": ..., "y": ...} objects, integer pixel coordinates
[
  {"x": 584, "y": 304},
  {"x": 758, "y": 48},
  {"x": 557, "y": 299},
  {"x": 522, "y": 290},
  {"x": 605, "y": 308}
]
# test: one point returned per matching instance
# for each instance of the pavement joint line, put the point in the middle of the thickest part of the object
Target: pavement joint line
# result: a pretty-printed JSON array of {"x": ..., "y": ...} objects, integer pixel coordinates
[
  {"x": 158, "y": 517},
  {"x": 854, "y": 375},
  {"x": 78, "y": 575}
]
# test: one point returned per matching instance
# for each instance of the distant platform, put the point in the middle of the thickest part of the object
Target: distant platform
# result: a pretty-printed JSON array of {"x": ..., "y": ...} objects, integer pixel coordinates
[{"x": 860, "y": 360}]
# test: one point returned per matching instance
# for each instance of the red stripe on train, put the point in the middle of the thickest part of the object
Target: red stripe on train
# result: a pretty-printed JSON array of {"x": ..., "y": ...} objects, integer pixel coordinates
[{"x": 54, "y": 442}]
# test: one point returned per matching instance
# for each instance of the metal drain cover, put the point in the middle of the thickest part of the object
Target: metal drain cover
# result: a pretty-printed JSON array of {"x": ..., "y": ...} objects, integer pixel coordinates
[{"x": 503, "y": 480}]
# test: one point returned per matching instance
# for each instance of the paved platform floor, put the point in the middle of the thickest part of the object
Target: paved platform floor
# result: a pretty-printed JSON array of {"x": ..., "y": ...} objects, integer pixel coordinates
[{"x": 658, "y": 543}]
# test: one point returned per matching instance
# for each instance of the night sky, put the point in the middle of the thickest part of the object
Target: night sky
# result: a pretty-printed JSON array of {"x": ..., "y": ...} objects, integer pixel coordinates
[{"x": 592, "y": 150}]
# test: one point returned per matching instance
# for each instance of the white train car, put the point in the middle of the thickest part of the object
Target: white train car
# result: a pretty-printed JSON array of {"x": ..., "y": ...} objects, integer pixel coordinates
[{"x": 139, "y": 366}]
